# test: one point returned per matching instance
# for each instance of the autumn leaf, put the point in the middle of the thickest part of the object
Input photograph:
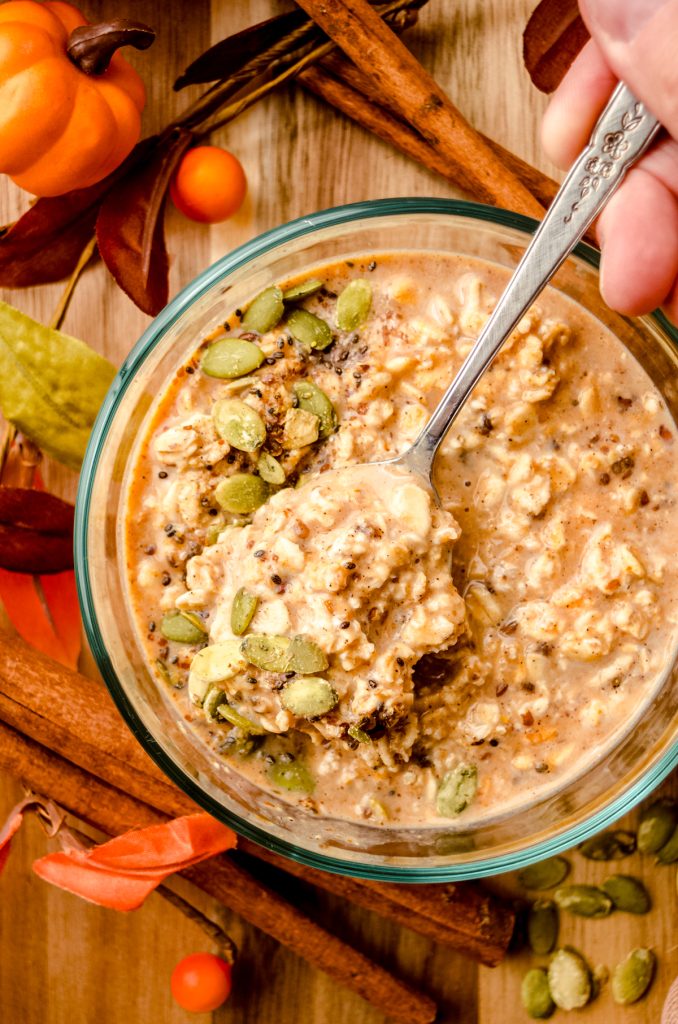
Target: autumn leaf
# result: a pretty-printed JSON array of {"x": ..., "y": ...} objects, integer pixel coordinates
[
  {"x": 130, "y": 228},
  {"x": 36, "y": 531},
  {"x": 51, "y": 385}
]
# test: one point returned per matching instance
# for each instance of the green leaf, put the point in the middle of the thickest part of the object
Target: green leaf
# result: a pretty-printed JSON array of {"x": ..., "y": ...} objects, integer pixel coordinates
[{"x": 51, "y": 385}]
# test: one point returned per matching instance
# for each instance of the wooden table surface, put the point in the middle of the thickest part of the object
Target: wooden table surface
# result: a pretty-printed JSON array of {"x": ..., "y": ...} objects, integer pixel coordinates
[{"x": 63, "y": 961}]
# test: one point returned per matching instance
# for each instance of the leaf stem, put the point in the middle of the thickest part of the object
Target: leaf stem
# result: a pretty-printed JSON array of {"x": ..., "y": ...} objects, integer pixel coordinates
[
  {"x": 227, "y": 947},
  {"x": 67, "y": 294}
]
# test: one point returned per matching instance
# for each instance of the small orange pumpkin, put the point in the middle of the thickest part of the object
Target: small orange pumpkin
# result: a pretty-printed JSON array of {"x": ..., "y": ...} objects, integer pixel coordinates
[{"x": 63, "y": 127}]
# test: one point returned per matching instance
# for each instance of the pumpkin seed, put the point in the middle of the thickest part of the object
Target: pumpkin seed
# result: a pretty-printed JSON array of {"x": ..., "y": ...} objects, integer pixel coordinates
[
  {"x": 270, "y": 470},
  {"x": 668, "y": 854},
  {"x": 214, "y": 698},
  {"x": 542, "y": 926},
  {"x": 308, "y": 697},
  {"x": 569, "y": 979},
  {"x": 656, "y": 826},
  {"x": 609, "y": 846},
  {"x": 182, "y": 628},
  {"x": 242, "y": 492},
  {"x": 294, "y": 777},
  {"x": 242, "y": 611},
  {"x": 457, "y": 790},
  {"x": 305, "y": 657},
  {"x": 632, "y": 977},
  {"x": 583, "y": 900},
  {"x": 239, "y": 743},
  {"x": 264, "y": 311},
  {"x": 301, "y": 428},
  {"x": 239, "y": 424},
  {"x": 536, "y": 994},
  {"x": 358, "y": 734},
  {"x": 353, "y": 304},
  {"x": 270, "y": 653},
  {"x": 240, "y": 721},
  {"x": 302, "y": 290},
  {"x": 231, "y": 357},
  {"x": 312, "y": 399},
  {"x": 309, "y": 329},
  {"x": 213, "y": 664},
  {"x": 545, "y": 874},
  {"x": 627, "y": 893}
]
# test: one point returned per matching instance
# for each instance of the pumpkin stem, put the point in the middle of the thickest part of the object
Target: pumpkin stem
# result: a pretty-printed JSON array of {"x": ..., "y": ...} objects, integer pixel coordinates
[{"x": 91, "y": 47}]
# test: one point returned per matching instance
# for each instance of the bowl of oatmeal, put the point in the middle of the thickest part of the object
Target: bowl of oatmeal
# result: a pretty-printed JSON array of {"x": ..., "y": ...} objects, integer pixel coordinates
[{"x": 323, "y": 656}]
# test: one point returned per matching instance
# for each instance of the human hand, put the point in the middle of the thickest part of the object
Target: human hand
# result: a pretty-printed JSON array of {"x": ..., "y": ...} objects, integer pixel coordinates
[{"x": 637, "y": 41}]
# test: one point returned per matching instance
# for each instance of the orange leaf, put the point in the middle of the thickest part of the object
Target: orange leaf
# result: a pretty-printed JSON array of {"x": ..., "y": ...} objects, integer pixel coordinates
[
  {"x": 28, "y": 616},
  {"x": 10, "y": 828},
  {"x": 61, "y": 596},
  {"x": 122, "y": 872}
]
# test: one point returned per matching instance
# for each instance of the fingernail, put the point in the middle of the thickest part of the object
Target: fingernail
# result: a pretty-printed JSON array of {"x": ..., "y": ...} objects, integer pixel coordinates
[{"x": 620, "y": 21}]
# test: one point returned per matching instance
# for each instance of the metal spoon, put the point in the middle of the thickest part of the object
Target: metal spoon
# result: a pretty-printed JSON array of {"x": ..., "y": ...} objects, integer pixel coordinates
[{"x": 624, "y": 131}]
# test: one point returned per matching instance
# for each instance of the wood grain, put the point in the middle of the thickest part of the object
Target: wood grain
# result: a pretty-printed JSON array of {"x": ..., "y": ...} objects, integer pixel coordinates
[{"x": 66, "y": 962}]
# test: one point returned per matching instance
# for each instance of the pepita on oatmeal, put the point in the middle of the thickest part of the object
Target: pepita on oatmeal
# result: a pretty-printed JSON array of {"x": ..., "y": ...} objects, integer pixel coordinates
[{"x": 341, "y": 662}]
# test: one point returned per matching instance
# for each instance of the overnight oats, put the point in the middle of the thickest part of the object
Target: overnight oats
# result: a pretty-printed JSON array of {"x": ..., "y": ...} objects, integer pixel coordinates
[{"x": 338, "y": 637}]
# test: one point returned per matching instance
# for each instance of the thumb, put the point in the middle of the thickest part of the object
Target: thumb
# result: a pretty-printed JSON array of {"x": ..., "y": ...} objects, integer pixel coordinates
[{"x": 639, "y": 39}]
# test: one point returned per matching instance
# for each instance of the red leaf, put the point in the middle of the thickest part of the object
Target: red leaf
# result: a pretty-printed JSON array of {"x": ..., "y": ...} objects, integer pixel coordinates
[
  {"x": 130, "y": 231},
  {"x": 553, "y": 37},
  {"x": 61, "y": 596},
  {"x": 36, "y": 531},
  {"x": 9, "y": 829},
  {"x": 45, "y": 244},
  {"x": 122, "y": 872}
]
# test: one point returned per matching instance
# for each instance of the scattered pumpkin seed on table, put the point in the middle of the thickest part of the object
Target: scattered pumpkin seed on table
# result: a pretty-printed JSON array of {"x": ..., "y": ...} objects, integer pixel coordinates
[
  {"x": 183, "y": 628},
  {"x": 242, "y": 610},
  {"x": 302, "y": 290},
  {"x": 242, "y": 492},
  {"x": 633, "y": 976},
  {"x": 309, "y": 330},
  {"x": 627, "y": 893},
  {"x": 668, "y": 853},
  {"x": 545, "y": 874},
  {"x": 238, "y": 423},
  {"x": 230, "y": 358},
  {"x": 313, "y": 399},
  {"x": 270, "y": 470},
  {"x": 583, "y": 900},
  {"x": 536, "y": 994},
  {"x": 457, "y": 790},
  {"x": 542, "y": 927},
  {"x": 656, "y": 826},
  {"x": 609, "y": 845},
  {"x": 264, "y": 311},
  {"x": 569, "y": 979},
  {"x": 354, "y": 304},
  {"x": 308, "y": 697}
]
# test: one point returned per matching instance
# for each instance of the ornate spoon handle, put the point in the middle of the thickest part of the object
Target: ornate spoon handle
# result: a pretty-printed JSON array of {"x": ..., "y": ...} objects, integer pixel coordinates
[{"x": 623, "y": 132}]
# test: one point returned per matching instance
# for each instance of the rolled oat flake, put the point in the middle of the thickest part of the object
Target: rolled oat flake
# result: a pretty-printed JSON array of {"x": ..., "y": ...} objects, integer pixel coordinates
[
  {"x": 569, "y": 979},
  {"x": 632, "y": 977}
]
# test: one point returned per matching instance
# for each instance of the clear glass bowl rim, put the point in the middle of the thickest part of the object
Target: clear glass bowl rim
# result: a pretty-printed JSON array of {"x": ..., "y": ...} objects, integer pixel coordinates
[{"x": 151, "y": 337}]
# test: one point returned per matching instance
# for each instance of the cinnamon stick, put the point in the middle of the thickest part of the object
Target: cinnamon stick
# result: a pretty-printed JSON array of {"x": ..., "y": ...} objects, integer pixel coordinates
[
  {"x": 393, "y": 70},
  {"x": 343, "y": 93},
  {"x": 75, "y": 717},
  {"x": 114, "y": 812}
]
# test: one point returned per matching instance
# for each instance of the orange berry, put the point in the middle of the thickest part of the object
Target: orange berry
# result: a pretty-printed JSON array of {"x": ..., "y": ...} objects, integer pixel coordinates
[
  {"x": 209, "y": 184},
  {"x": 201, "y": 982}
]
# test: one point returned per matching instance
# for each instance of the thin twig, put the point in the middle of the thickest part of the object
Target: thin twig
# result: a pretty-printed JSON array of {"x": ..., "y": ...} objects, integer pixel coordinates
[
  {"x": 227, "y": 947},
  {"x": 67, "y": 295}
]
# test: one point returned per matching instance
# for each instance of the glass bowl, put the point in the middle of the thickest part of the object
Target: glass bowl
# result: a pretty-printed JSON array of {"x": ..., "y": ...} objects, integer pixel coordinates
[{"x": 643, "y": 752}]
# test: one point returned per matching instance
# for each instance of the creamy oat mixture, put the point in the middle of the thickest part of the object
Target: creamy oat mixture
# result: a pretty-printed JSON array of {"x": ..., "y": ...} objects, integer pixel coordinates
[{"x": 308, "y": 624}]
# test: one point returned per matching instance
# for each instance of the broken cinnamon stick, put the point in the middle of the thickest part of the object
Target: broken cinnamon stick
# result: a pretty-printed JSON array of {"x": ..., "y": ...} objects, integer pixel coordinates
[
  {"x": 75, "y": 717},
  {"x": 113, "y": 812},
  {"x": 343, "y": 93},
  {"x": 392, "y": 69}
]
